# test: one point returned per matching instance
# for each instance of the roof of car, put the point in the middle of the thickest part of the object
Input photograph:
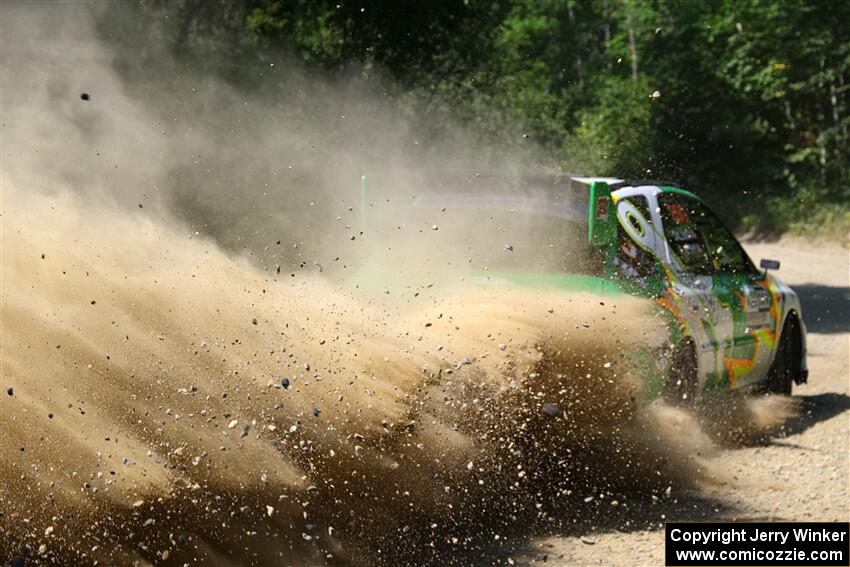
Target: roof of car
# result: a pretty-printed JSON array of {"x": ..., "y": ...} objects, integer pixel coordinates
[{"x": 589, "y": 180}]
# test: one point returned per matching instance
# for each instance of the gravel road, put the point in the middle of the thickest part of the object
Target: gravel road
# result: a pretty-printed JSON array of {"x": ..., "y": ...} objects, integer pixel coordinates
[{"x": 802, "y": 473}]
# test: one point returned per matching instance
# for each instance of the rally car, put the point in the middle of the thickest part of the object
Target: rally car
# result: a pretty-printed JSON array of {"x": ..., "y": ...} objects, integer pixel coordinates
[
  {"x": 729, "y": 325},
  {"x": 732, "y": 326}
]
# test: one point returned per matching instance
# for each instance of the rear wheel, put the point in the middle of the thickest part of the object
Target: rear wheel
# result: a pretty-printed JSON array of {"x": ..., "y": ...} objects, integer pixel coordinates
[
  {"x": 782, "y": 370},
  {"x": 681, "y": 386}
]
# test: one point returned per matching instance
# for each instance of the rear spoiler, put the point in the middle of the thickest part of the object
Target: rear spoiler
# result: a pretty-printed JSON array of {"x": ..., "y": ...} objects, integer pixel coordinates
[{"x": 601, "y": 224}]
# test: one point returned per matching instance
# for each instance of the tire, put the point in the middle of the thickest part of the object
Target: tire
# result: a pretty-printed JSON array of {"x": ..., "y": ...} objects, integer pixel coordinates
[
  {"x": 781, "y": 373},
  {"x": 681, "y": 386}
]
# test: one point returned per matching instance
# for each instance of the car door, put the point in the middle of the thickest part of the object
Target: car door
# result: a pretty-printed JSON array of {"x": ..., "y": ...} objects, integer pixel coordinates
[
  {"x": 706, "y": 301},
  {"x": 744, "y": 292}
]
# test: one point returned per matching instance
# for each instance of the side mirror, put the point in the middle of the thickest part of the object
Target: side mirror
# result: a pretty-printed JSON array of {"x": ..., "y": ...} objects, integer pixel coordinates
[{"x": 769, "y": 264}]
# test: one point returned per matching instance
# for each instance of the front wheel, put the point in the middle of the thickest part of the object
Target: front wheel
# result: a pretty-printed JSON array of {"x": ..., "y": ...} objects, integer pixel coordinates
[{"x": 781, "y": 372}]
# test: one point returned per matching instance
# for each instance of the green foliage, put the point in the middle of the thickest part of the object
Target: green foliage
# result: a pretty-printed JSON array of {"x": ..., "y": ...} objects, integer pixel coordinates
[
  {"x": 612, "y": 136},
  {"x": 745, "y": 101}
]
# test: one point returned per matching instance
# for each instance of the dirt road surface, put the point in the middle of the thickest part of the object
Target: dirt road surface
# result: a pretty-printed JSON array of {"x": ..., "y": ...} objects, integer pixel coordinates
[{"x": 800, "y": 474}]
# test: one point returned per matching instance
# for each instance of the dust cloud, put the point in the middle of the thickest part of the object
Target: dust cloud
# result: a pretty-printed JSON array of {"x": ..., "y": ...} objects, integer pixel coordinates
[
  {"x": 216, "y": 348},
  {"x": 172, "y": 401}
]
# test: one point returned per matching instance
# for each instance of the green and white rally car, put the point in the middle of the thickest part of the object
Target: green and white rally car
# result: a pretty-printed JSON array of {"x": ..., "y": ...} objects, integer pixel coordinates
[
  {"x": 733, "y": 326},
  {"x": 730, "y": 326}
]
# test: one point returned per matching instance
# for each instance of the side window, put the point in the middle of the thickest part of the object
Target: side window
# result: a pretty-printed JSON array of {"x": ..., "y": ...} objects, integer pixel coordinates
[
  {"x": 634, "y": 233},
  {"x": 699, "y": 240},
  {"x": 726, "y": 254}
]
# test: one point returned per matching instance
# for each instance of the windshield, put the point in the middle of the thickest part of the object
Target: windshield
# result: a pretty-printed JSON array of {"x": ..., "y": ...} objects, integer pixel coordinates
[{"x": 699, "y": 240}]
